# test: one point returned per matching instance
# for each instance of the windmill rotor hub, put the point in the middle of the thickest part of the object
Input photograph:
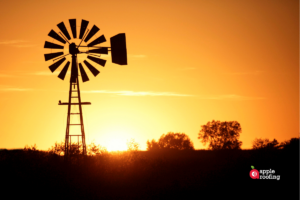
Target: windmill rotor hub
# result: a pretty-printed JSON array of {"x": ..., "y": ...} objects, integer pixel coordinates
[{"x": 72, "y": 49}]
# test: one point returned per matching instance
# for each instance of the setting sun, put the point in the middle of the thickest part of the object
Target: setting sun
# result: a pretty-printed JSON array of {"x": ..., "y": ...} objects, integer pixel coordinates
[
  {"x": 114, "y": 139},
  {"x": 116, "y": 145}
]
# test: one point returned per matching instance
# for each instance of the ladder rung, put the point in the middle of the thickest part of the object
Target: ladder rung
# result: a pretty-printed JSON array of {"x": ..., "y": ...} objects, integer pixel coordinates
[
  {"x": 74, "y": 124},
  {"x": 74, "y": 90},
  {"x": 74, "y": 97},
  {"x": 74, "y": 113}
]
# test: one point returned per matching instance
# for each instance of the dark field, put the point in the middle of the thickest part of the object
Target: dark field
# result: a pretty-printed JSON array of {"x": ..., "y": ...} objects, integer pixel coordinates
[{"x": 196, "y": 174}]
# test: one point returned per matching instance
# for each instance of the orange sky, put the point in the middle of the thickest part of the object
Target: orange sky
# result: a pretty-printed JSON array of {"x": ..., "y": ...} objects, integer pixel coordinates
[{"x": 189, "y": 62}]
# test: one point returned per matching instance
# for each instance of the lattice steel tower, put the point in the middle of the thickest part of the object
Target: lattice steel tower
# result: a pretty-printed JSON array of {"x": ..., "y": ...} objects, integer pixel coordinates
[{"x": 118, "y": 55}]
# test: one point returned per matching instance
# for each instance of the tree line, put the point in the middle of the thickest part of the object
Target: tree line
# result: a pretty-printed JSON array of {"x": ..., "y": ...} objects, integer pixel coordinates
[{"x": 218, "y": 135}]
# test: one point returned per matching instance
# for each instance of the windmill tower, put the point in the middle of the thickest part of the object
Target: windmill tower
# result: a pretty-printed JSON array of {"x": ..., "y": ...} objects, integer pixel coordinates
[{"x": 69, "y": 56}]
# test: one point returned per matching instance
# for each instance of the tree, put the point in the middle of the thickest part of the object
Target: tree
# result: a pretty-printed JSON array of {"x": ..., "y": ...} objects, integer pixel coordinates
[
  {"x": 292, "y": 144},
  {"x": 171, "y": 140},
  {"x": 153, "y": 145},
  {"x": 221, "y": 135},
  {"x": 259, "y": 143}
]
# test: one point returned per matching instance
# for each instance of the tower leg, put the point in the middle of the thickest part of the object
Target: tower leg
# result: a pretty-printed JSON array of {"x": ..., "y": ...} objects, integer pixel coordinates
[
  {"x": 68, "y": 125},
  {"x": 74, "y": 82},
  {"x": 81, "y": 121}
]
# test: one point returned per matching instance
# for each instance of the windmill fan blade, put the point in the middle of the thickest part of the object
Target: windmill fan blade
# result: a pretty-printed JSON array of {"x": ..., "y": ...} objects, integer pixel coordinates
[
  {"x": 63, "y": 72},
  {"x": 103, "y": 50},
  {"x": 94, "y": 30},
  {"x": 94, "y": 71},
  {"x": 73, "y": 27},
  {"x": 54, "y": 35},
  {"x": 54, "y": 66},
  {"x": 50, "y": 45},
  {"x": 83, "y": 27},
  {"x": 118, "y": 49},
  {"x": 50, "y": 56},
  {"x": 97, "y": 60},
  {"x": 63, "y": 29},
  {"x": 74, "y": 72},
  {"x": 83, "y": 74},
  {"x": 97, "y": 41}
]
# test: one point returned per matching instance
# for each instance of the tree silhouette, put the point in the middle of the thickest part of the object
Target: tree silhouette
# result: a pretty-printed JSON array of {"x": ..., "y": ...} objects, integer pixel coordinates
[
  {"x": 292, "y": 144},
  {"x": 259, "y": 143},
  {"x": 221, "y": 135},
  {"x": 171, "y": 140},
  {"x": 153, "y": 145}
]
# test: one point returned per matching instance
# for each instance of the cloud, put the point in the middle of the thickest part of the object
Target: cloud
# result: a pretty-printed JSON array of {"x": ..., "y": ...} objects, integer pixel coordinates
[
  {"x": 204, "y": 97},
  {"x": 23, "y": 45},
  {"x": 137, "y": 56},
  {"x": 245, "y": 73},
  {"x": 34, "y": 62},
  {"x": 17, "y": 43},
  {"x": 12, "y": 41},
  {"x": 47, "y": 73},
  {"x": 5, "y": 75},
  {"x": 132, "y": 93},
  {"x": 229, "y": 97},
  {"x": 44, "y": 73},
  {"x": 15, "y": 89},
  {"x": 187, "y": 68}
]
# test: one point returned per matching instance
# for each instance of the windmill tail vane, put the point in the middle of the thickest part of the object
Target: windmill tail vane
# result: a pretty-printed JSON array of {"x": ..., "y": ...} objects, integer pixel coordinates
[{"x": 65, "y": 42}]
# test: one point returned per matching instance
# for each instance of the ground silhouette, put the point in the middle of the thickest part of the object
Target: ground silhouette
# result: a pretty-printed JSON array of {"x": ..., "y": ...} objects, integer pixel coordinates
[{"x": 161, "y": 174}]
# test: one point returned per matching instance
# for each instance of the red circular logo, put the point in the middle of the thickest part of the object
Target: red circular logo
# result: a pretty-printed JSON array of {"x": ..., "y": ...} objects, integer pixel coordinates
[{"x": 254, "y": 174}]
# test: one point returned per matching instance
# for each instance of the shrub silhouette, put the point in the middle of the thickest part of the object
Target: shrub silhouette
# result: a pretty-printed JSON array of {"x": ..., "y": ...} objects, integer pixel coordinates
[
  {"x": 132, "y": 145},
  {"x": 259, "y": 143},
  {"x": 76, "y": 149},
  {"x": 93, "y": 149},
  {"x": 58, "y": 148},
  {"x": 221, "y": 135},
  {"x": 32, "y": 148},
  {"x": 179, "y": 141}
]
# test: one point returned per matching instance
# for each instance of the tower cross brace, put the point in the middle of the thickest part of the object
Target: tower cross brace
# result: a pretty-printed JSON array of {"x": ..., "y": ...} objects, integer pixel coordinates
[{"x": 75, "y": 89}]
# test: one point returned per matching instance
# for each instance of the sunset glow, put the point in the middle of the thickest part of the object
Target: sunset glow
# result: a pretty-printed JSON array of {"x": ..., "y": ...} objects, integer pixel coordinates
[{"x": 189, "y": 62}]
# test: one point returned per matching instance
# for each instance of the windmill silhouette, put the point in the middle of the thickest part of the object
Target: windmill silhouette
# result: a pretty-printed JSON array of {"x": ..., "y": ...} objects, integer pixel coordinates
[{"x": 118, "y": 55}]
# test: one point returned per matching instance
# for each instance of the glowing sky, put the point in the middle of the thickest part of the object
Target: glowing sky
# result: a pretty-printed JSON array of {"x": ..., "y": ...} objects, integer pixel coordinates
[{"x": 189, "y": 62}]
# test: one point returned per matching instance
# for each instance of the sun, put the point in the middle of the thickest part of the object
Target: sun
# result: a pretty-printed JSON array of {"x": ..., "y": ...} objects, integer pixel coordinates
[
  {"x": 116, "y": 144},
  {"x": 115, "y": 139}
]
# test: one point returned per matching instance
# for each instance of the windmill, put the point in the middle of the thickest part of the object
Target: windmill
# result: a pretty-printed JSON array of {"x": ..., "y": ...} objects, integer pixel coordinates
[{"x": 71, "y": 49}]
